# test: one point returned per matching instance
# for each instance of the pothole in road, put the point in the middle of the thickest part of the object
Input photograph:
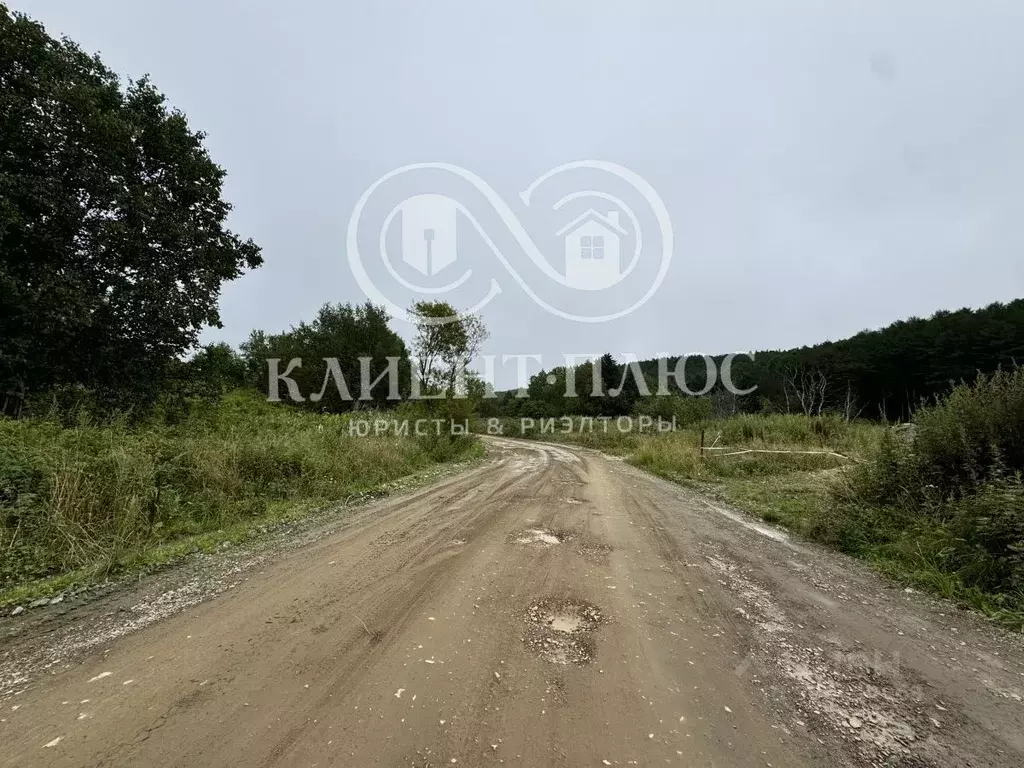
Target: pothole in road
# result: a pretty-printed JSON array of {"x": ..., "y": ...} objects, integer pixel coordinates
[
  {"x": 563, "y": 622},
  {"x": 538, "y": 536},
  {"x": 562, "y": 631}
]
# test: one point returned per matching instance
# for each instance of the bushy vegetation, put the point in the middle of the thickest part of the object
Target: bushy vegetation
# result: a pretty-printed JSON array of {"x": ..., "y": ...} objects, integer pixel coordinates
[
  {"x": 944, "y": 501},
  {"x": 340, "y": 331},
  {"x": 95, "y": 495}
]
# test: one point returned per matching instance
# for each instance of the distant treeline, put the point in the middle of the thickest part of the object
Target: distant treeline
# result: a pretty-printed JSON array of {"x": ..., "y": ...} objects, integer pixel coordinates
[{"x": 881, "y": 374}]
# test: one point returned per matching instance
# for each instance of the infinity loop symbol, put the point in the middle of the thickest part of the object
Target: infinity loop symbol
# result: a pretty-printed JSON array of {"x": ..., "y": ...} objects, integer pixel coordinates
[{"x": 592, "y": 240}]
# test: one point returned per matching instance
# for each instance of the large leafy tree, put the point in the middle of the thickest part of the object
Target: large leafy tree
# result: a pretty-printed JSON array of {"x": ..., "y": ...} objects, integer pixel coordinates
[
  {"x": 340, "y": 332},
  {"x": 113, "y": 244}
]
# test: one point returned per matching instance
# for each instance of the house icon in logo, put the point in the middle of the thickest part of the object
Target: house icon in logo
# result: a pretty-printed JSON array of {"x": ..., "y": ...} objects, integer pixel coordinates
[{"x": 592, "y": 250}]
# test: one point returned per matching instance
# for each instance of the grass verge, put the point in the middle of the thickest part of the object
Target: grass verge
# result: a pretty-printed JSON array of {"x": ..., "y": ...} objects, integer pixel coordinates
[{"x": 81, "y": 504}]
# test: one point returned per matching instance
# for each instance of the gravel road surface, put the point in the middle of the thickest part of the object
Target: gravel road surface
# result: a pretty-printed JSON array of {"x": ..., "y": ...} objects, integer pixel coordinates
[{"x": 549, "y": 607}]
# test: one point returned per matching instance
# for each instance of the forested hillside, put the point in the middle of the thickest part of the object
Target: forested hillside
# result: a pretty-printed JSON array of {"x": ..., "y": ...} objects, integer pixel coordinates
[
  {"x": 888, "y": 372},
  {"x": 880, "y": 374}
]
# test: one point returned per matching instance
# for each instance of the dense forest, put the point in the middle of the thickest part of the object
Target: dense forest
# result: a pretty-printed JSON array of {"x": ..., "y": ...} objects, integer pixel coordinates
[
  {"x": 889, "y": 372},
  {"x": 881, "y": 374}
]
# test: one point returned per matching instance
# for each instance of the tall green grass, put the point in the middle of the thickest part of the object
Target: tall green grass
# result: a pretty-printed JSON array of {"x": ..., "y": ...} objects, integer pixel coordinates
[
  {"x": 91, "y": 494},
  {"x": 944, "y": 502}
]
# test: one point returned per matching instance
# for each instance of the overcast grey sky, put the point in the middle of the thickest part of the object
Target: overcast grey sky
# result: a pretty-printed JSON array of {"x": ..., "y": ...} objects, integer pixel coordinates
[{"x": 828, "y": 166}]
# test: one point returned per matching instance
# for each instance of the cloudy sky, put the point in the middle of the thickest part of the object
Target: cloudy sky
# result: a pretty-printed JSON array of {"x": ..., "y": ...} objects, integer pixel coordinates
[{"x": 826, "y": 166}]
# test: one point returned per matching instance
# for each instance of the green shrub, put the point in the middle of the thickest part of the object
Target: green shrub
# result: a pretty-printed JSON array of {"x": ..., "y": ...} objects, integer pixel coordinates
[
  {"x": 988, "y": 531},
  {"x": 974, "y": 434},
  {"x": 945, "y": 499}
]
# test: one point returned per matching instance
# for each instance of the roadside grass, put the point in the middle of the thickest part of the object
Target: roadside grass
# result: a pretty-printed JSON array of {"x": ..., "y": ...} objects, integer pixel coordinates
[
  {"x": 789, "y": 487},
  {"x": 791, "y": 500},
  {"x": 786, "y": 487},
  {"x": 883, "y": 503},
  {"x": 148, "y": 558},
  {"x": 83, "y": 503}
]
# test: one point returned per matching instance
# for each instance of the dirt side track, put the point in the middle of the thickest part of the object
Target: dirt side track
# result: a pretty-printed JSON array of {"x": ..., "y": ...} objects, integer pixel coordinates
[{"x": 549, "y": 608}]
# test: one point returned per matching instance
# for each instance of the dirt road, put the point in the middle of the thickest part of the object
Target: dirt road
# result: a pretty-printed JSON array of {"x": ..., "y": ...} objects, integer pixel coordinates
[{"x": 548, "y": 608}]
